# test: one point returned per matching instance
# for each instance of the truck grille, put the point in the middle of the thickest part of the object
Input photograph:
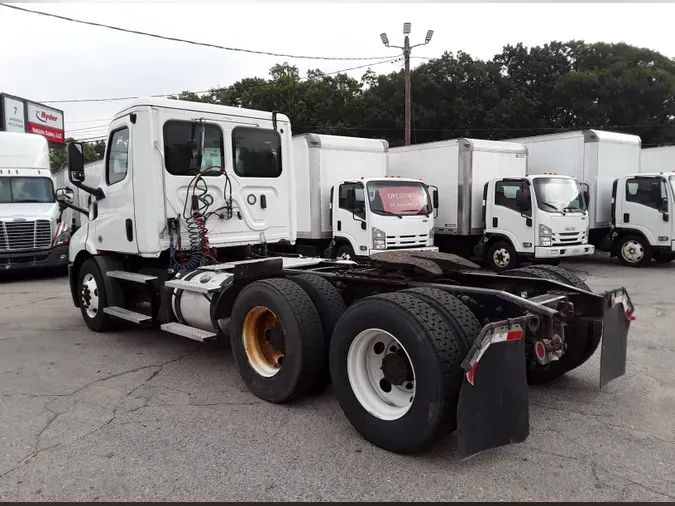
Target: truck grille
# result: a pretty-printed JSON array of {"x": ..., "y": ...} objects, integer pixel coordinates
[
  {"x": 407, "y": 241},
  {"x": 569, "y": 238},
  {"x": 25, "y": 235}
]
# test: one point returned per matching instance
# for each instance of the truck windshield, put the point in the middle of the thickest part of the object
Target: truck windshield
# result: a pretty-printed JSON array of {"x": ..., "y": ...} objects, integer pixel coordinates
[
  {"x": 561, "y": 194},
  {"x": 26, "y": 189},
  {"x": 672, "y": 183},
  {"x": 398, "y": 198}
]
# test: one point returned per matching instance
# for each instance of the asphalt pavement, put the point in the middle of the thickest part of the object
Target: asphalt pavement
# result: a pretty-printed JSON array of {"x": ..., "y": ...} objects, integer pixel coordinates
[{"x": 144, "y": 415}]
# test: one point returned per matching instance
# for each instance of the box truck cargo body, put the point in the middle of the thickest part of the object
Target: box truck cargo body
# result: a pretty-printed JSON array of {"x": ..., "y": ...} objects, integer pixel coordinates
[
  {"x": 489, "y": 205},
  {"x": 655, "y": 160},
  {"x": 31, "y": 232},
  {"x": 334, "y": 173}
]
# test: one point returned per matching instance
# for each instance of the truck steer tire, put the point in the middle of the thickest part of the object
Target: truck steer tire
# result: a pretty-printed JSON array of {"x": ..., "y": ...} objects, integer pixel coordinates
[
  {"x": 501, "y": 256},
  {"x": 330, "y": 305},
  {"x": 347, "y": 251},
  {"x": 633, "y": 251},
  {"x": 455, "y": 313},
  {"x": 591, "y": 330},
  {"x": 276, "y": 339},
  {"x": 396, "y": 370},
  {"x": 93, "y": 297},
  {"x": 576, "y": 335}
]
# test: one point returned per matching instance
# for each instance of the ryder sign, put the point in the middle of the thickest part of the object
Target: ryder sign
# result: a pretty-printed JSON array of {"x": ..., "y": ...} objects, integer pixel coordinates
[{"x": 45, "y": 121}]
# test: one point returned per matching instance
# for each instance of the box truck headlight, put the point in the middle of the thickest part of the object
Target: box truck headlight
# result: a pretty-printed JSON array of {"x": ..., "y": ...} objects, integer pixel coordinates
[
  {"x": 545, "y": 236},
  {"x": 431, "y": 237},
  {"x": 379, "y": 239}
]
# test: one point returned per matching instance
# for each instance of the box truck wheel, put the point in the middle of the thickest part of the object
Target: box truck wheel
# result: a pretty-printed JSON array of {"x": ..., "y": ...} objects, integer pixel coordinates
[
  {"x": 276, "y": 339},
  {"x": 591, "y": 332},
  {"x": 330, "y": 305},
  {"x": 396, "y": 370},
  {"x": 634, "y": 251},
  {"x": 346, "y": 252},
  {"x": 576, "y": 336},
  {"x": 455, "y": 313},
  {"x": 501, "y": 256},
  {"x": 93, "y": 297}
]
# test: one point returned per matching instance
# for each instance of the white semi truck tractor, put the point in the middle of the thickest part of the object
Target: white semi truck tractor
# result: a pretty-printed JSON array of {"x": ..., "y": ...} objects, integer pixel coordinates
[
  {"x": 346, "y": 202},
  {"x": 32, "y": 231},
  {"x": 417, "y": 343},
  {"x": 629, "y": 211},
  {"x": 491, "y": 207}
]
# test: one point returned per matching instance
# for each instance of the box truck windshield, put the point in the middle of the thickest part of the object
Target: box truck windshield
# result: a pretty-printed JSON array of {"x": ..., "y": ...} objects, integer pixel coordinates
[
  {"x": 398, "y": 198},
  {"x": 26, "y": 190},
  {"x": 559, "y": 195}
]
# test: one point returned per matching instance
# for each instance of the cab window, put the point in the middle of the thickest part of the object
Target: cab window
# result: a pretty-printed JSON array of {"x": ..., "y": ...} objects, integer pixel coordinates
[{"x": 117, "y": 164}]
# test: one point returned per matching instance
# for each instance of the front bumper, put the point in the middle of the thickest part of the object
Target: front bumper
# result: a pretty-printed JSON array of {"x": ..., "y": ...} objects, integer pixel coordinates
[
  {"x": 422, "y": 248},
  {"x": 55, "y": 257},
  {"x": 563, "y": 251}
]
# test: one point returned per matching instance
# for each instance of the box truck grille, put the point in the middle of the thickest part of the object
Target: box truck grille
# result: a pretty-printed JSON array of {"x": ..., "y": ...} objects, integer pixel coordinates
[
  {"x": 25, "y": 235},
  {"x": 407, "y": 241},
  {"x": 568, "y": 238}
]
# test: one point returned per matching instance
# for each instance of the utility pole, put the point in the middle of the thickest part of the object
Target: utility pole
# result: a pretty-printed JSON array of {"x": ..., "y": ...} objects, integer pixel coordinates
[{"x": 406, "y": 56}]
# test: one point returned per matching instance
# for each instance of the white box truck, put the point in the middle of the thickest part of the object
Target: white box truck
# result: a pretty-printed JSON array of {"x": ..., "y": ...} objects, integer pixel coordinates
[
  {"x": 628, "y": 211},
  {"x": 347, "y": 204},
  {"x": 489, "y": 205},
  {"x": 32, "y": 233}
]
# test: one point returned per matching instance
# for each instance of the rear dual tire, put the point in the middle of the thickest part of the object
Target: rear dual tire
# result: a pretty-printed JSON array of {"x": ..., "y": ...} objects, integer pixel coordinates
[{"x": 395, "y": 362}]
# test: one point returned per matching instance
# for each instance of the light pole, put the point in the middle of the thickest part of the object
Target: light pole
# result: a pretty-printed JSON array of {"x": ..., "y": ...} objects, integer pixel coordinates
[{"x": 406, "y": 55}]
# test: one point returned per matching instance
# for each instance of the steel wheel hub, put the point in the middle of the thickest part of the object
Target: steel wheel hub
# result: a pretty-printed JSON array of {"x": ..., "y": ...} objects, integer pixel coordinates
[
  {"x": 501, "y": 257},
  {"x": 89, "y": 298},
  {"x": 632, "y": 251}
]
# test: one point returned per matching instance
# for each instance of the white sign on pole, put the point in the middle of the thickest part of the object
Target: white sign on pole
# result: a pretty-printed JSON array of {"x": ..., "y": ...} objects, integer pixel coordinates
[{"x": 14, "y": 115}]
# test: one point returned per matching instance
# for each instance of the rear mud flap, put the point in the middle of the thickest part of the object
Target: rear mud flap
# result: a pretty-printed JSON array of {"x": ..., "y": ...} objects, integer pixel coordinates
[
  {"x": 493, "y": 407},
  {"x": 615, "y": 324}
]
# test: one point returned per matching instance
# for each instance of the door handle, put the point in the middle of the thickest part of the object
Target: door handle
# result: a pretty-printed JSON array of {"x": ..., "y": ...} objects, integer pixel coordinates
[
  {"x": 339, "y": 225},
  {"x": 495, "y": 222},
  {"x": 130, "y": 230},
  {"x": 263, "y": 201},
  {"x": 626, "y": 217}
]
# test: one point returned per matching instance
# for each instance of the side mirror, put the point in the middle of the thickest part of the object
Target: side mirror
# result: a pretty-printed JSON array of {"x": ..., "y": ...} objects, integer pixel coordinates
[
  {"x": 523, "y": 200},
  {"x": 666, "y": 217},
  {"x": 587, "y": 197},
  {"x": 65, "y": 195},
  {"x": 75, "y": 154},
  {"x": 434, "y": 198}
]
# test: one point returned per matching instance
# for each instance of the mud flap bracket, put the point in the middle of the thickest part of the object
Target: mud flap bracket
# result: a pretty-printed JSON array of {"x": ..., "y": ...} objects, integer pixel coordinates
[{"x": 616, "y": 320}]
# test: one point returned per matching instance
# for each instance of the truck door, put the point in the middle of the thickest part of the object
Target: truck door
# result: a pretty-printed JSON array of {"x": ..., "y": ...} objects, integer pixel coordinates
[
  {"x": 349, "y": 223},
  {"x": 114, "y": 226},
  {"x": 645, "y": 208},
  {"x": 505, "y": 217}
]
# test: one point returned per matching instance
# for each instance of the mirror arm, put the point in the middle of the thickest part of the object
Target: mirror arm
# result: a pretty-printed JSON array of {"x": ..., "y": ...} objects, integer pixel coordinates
[
  {"x": 64, "y": 205},
  {"x": 96, "y": 192}
]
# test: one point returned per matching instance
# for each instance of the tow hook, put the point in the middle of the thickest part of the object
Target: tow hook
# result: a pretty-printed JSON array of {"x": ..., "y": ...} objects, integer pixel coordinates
[{"x": 549, "y": 350}]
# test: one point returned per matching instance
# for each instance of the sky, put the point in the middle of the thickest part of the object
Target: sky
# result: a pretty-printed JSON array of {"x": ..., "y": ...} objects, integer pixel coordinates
[{"x": 45, "y": 59}]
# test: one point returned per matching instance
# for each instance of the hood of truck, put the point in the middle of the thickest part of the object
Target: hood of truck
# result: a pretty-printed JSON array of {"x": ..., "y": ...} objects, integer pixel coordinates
[{"x": 28, "y": 210}]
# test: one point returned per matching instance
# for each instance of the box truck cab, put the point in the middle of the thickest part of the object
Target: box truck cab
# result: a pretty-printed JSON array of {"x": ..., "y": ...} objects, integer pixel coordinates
[
  {"x": 644, "y": 206},
  {"x": 348, "y": 205},
  {"x": 31, "y": 231},
  {"x": 490, "y": 207}
]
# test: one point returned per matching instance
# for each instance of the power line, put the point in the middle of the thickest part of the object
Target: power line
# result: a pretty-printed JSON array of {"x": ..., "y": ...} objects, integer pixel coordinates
[
  {"x": 194, "y": 43},
  {"x": 116, "y": 99}
]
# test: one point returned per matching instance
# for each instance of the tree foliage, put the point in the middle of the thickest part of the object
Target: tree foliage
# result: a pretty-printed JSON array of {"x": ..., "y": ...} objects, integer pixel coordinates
[
  {"x": 521, "y": 91},
  {"x": 92, "y": 151}
]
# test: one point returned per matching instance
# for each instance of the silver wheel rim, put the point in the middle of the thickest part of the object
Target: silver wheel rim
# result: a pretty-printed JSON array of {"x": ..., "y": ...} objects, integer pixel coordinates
[
  {"x": 365, "y": 360},
  {"x": 501, "y": 257},
  {"x": 345, "y": 256},
  {"x": 89, "y": 295},
  {"x": 632, "y": 251}
]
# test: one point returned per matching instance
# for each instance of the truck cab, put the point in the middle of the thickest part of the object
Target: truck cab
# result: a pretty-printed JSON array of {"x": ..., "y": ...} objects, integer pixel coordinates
[
  {"x": 32, "y": 233},
  {"x": 643, "y": 206},
  {"x": 534, "y": 217},
  {"x": 372, "y": 215}
]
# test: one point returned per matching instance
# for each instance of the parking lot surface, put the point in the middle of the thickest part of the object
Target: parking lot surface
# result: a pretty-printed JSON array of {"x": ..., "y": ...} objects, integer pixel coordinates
[{"x": 140, "y": 414}]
